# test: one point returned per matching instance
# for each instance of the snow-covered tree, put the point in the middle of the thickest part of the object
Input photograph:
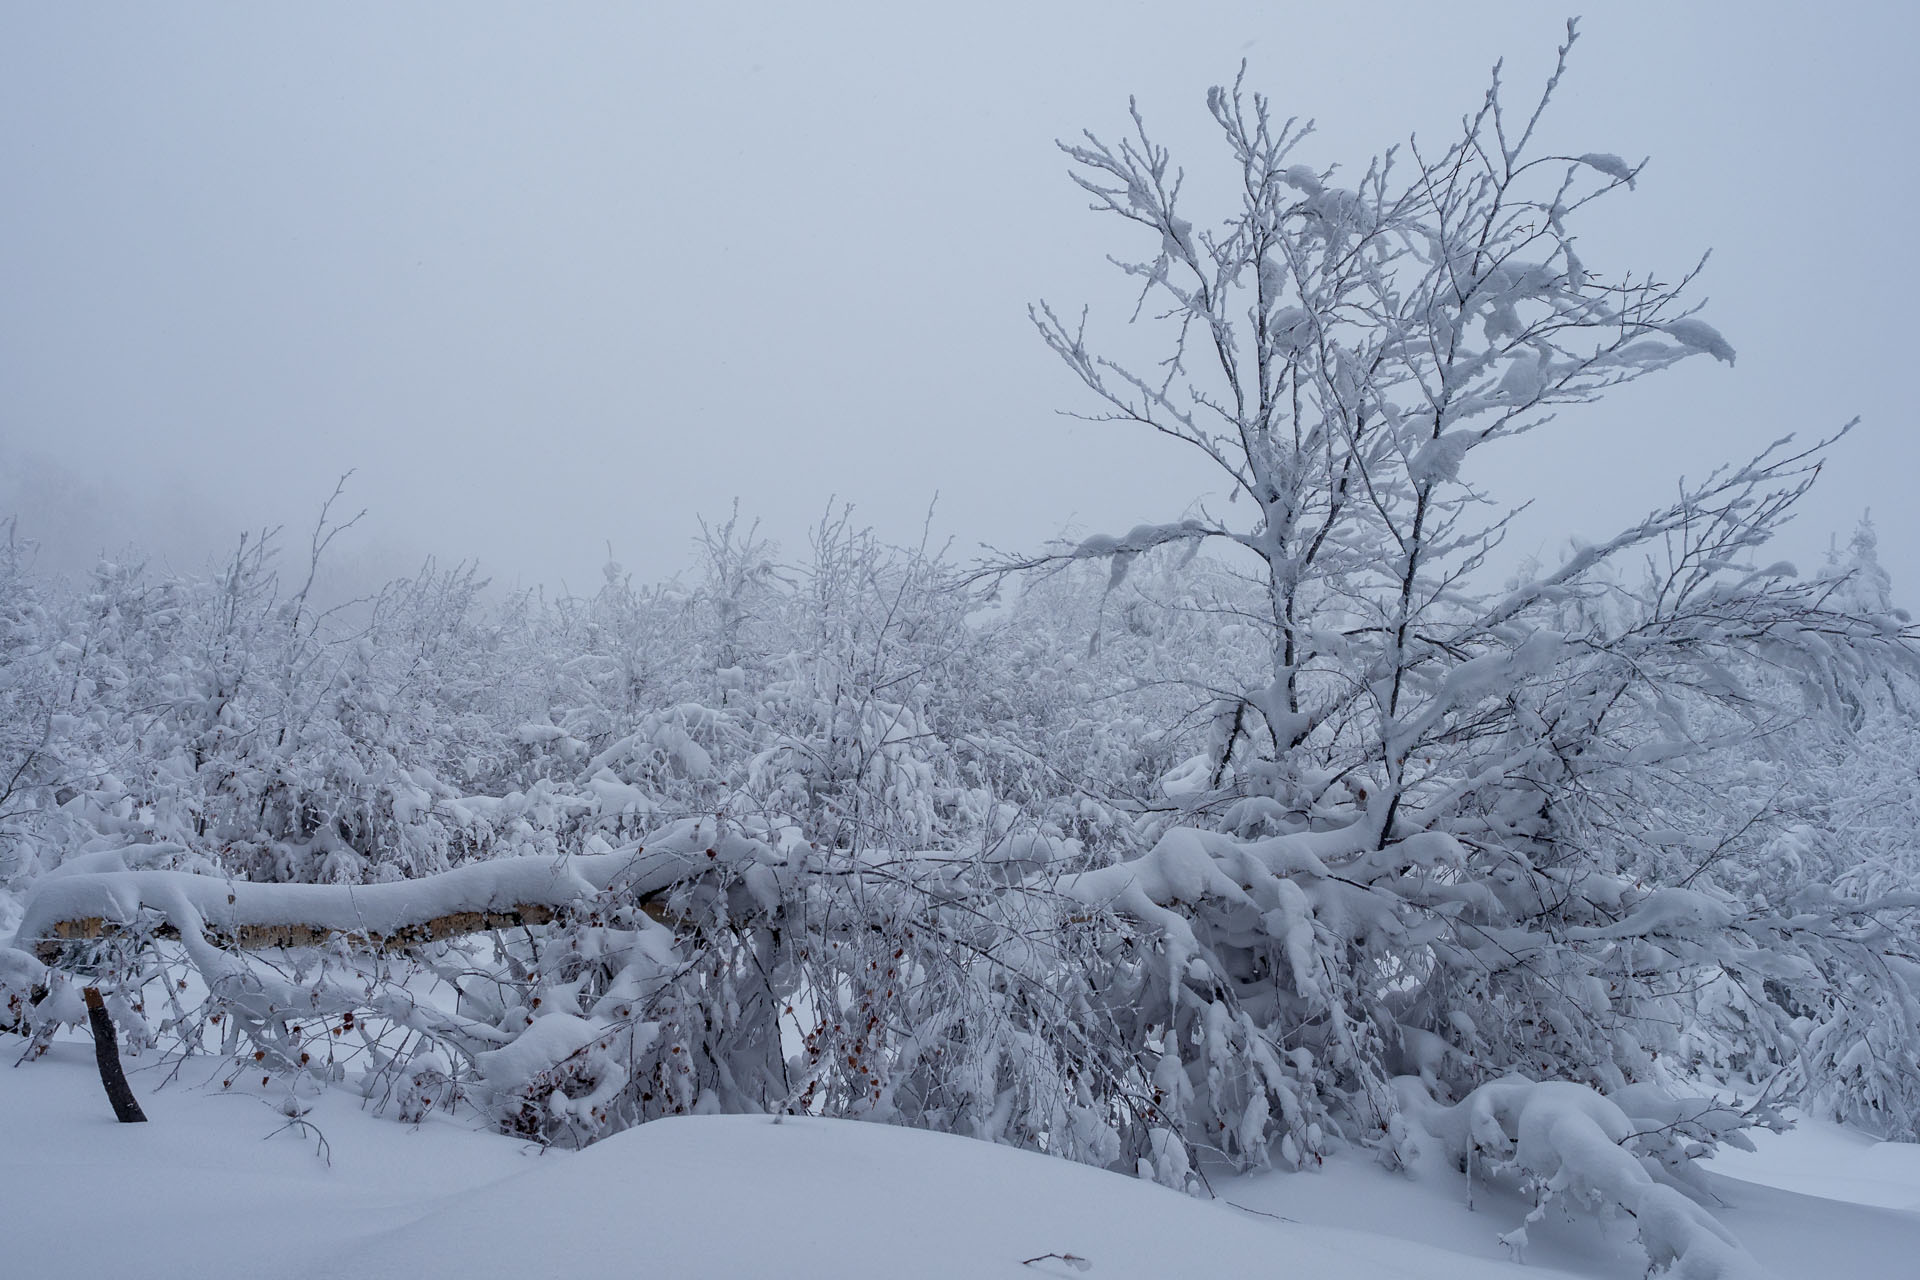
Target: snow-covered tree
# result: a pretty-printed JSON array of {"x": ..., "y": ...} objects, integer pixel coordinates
[{"x": 1428, "y": 833}]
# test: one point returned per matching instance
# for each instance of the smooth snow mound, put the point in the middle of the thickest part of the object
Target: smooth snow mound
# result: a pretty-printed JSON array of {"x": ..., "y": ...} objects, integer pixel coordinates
[
  {"x": 727, "y": 1196},
  {"x": 196, "y": 1193},
  {"x": 1819, "y": 1158}
]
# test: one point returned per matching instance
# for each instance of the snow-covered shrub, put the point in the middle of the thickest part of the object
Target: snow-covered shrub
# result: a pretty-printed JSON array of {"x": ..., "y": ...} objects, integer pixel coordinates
[
  {"x": 1444, "y": 824},
  {"x": 948, "y": 993}
]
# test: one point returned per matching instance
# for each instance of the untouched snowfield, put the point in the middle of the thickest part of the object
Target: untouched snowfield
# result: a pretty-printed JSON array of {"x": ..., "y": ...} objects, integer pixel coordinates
[{"x": 208, "y": 1188}]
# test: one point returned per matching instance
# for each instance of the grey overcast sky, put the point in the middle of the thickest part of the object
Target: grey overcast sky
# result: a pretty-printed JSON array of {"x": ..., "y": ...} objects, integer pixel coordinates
[{"x": 558, "y": 276}]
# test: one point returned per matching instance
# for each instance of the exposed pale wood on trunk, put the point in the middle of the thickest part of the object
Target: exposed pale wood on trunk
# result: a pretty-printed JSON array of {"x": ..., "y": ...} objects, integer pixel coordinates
[{"x": 257, "y": 937}]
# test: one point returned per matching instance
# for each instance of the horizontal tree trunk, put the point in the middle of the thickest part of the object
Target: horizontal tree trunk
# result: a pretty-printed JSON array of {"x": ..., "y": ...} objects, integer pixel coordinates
[{"x": 258, "y": 937}]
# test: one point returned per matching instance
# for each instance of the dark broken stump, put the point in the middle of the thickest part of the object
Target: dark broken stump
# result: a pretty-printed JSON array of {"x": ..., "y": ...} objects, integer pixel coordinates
[{"x": 106, "y": 1052}]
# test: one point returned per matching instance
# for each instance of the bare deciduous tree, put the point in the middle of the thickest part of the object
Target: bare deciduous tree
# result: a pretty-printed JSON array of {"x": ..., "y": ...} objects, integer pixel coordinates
[{"x": 1444, "y": 790}]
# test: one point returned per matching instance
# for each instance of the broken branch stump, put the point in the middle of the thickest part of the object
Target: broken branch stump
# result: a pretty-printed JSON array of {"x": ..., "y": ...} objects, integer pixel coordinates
[{"x": 106, "y": 1052}]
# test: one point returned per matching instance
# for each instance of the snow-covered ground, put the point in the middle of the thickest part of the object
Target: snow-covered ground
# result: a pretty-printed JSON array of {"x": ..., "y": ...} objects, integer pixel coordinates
[{"x": 214, "y": 1186}]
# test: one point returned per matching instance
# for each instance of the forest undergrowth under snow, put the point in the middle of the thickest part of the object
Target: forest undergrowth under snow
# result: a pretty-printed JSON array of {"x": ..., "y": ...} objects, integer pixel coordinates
[{"x": 1269, "y": 835}]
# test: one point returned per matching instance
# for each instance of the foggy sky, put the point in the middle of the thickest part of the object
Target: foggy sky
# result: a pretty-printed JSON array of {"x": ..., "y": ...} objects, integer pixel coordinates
[{"x": 558, "y": 277}]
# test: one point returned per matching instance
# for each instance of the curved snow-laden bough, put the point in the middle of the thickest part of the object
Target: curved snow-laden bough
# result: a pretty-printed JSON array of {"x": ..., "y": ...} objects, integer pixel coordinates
[
  {"x": 1570, "y": 1141},
  {"x": 98, "y": 895}
]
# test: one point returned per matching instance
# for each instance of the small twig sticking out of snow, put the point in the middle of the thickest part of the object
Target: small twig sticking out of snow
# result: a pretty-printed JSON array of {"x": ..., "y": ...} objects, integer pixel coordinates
[
  {"x": 324, "y": 1150},
  {"x": 1073, "y": 1260},
  {"x": 1277, "y": 1217}
]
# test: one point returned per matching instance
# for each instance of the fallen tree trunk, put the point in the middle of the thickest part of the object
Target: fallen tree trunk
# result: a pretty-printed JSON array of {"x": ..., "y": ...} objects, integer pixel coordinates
[
  {"x": 243, "y": 915},
  {"x": 257, "y": 937}
]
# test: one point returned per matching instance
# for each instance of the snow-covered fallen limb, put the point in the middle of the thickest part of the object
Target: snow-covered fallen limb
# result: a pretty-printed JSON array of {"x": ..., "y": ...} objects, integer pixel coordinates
[
  {"x": 1571, "y": 1141},
  {"x": 105, "y": 896}
]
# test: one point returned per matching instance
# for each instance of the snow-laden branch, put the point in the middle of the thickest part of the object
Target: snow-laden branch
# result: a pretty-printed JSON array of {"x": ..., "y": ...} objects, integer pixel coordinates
[
  {"x": 99, "y": 893},
  {"x": 1572, "y": 1142}
]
